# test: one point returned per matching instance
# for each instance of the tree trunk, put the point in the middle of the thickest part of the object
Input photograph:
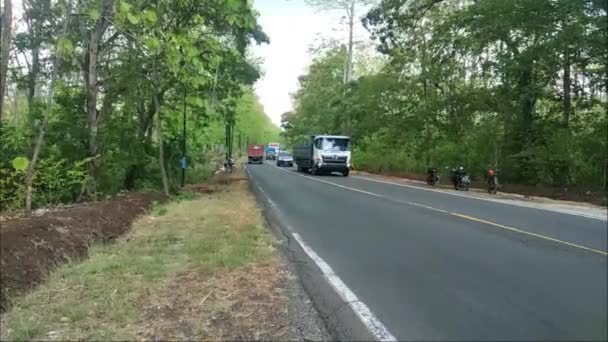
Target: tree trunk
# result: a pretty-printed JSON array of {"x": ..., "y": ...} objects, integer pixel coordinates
[
  {"x": 92, "y": 56},
  {"x": 349, "y": 61},
  {"x": 605, "y": 176},
  {"x": 527, "y": 99},
  {"x": 161, "y": 157},
  {"x": 567, "y": 85},
  {"x": 348, "y": 67},
  {"x": 427, "y": 128},
  {"x": 7, "y": 21},
  {"x": 29, "y": 176},
  {"x": 33, "y": 77},
  {"x": 34, "y": 30},
  {"x": 91, "y": 89}
]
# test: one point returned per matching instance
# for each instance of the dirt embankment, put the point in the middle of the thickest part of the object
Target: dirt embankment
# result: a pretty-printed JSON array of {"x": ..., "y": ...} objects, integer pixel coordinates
[
  {"x": 575, "y": 194},
  {"x": 30, "y": 248}
]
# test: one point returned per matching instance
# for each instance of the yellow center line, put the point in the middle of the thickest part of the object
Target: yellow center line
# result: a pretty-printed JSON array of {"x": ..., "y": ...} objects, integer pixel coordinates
[
  {"x": 530, "y": 234},
  {"x": 471, "y": 218}
]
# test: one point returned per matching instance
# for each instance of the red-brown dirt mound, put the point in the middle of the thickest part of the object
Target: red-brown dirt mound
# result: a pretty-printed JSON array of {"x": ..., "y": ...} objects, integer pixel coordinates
[{"x": 30, "y": 248}]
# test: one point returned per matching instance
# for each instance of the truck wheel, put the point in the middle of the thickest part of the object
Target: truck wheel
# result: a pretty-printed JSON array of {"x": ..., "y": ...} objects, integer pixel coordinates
[
  {"x": 345, "y": 173},
  {"x": 313, "y": 170}
]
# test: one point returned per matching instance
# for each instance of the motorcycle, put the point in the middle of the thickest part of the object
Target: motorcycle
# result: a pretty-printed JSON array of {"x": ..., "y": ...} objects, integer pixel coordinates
[
  {"x": 460, "y": 180},
  {"x": 432, "y": 176},
  {"x": 229, "y": 166},
  {"x": 464, "y": 183}
]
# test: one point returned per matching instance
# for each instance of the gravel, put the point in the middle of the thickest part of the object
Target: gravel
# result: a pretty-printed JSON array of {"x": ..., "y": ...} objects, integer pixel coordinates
[{"x": 305, "y": 322}]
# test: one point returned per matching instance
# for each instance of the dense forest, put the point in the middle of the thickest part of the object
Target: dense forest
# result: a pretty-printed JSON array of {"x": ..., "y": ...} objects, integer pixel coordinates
[
  {"x": 96, "y": 95},
  {"x": 518, "y": 85}
]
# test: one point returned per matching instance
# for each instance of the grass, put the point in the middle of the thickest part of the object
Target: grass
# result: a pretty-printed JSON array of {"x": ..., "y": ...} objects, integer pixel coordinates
[{"x": 104, "y": 297}]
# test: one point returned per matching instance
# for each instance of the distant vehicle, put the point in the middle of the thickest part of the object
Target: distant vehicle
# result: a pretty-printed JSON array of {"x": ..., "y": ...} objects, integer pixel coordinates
[
  {"x": 324, "y": 153},
  {"x": 255, "y": 154},
  {"x": 284, "y": 159},
  {"x": 275, "y": 146},
  {"x": 271, "y": 153}
]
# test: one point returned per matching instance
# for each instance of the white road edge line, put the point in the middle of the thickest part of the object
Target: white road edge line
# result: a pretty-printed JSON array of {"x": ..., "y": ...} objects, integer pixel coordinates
[
  {"x": 363, "y": 312},
  {"x": 479, "y": 198},
  {"x": 370, "y": 321}
]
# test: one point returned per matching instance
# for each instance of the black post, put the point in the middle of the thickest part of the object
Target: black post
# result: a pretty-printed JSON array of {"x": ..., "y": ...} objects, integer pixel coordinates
[
  {"x": 226, "y": 141},
  {"x": 184, "y": 143},
  {"x": 240, "y": 143},
  {"x": 230, "y": 139}
]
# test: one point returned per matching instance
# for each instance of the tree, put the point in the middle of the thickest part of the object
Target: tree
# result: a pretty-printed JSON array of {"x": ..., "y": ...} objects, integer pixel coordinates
[
  {"x": 7, "y": 22},
  {"x": 129, "y": 73},
  {"x": 518, "y": 85},
  {"x": 62, "y": 49}
]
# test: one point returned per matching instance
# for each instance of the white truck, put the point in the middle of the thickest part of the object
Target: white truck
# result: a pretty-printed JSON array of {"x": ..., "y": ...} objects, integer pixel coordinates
[{"x": 324, "y": 153}]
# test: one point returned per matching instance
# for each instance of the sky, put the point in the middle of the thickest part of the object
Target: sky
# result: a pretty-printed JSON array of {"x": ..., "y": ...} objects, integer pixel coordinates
[{"x": 293, "y": 27}]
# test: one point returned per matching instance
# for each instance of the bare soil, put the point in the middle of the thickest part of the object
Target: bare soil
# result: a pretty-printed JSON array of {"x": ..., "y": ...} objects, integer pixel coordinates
[
  {"x": 214, "y": 184},
  {"x": 31, "y": 247}
]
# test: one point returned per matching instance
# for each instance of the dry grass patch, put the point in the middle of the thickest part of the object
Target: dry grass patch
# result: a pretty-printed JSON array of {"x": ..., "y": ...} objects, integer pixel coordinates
[
  {"x": 212, "y": 245},
  {"x": 248, "y": 303}
]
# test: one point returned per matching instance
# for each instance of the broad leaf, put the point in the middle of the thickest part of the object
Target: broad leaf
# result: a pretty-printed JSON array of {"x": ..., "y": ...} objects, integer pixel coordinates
[
  {"x": 94, "y": 14},
  {"x": 65, "y": 47},
  {"x": 233, "y": 4},
  {"x": 133, "y": 19},
  {"x": 20, "y": 163},
  {"x": 150, "y": 16},
  {"x": 124, "y": 7},
  {"x": 152, "y": 43}
]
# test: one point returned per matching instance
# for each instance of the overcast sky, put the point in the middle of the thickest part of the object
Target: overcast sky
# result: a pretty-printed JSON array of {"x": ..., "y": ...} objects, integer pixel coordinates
[{"x": 292, "y": 27}]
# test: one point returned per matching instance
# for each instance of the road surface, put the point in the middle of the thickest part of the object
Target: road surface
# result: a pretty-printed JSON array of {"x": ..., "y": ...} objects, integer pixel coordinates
[{"x": 434, "y": 266}]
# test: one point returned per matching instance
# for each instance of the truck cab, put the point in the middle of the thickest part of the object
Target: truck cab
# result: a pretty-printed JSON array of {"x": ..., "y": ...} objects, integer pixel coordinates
[
  {"x": 324, "y": 153},
  {"x": 255, "y": 154},
  {"x": 270, "y": 153}
]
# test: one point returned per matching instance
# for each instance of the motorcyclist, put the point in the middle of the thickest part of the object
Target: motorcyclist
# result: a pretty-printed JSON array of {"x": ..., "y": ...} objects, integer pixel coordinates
[
  {"x": 432, "y": 176},
  {"x": 492, "y": 180},
  {"x": 454, "y": 177},
  {"x": 461, "y": 172},
  {"x": 457, "y": 177}
]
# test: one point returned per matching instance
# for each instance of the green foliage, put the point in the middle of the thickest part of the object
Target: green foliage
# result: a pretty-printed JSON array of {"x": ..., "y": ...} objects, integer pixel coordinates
[
  {"x": 65, "y": 48},
  {"x": 516, "y": 85},
  {"x": 190, "y": 56},
  {"x": 20, "y": 163},
  {"x": 57, "y": 181},
  {"x": 157, "y": 209},
  {"x": 11, "y": 188}
]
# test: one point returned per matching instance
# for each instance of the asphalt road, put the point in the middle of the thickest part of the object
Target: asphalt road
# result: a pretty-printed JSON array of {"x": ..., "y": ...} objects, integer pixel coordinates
[{"x": 433, "y": 266}]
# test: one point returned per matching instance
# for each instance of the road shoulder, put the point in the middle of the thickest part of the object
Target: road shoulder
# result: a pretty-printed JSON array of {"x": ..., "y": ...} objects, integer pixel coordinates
[
  {"x": 566, "y": 207},
  {"x": 343, "y": 322},
  {"x": 203, "y": 267}
]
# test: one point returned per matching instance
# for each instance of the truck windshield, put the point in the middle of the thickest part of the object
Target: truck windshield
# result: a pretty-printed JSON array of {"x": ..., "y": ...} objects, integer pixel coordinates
[{"x": 333, "y": 144}]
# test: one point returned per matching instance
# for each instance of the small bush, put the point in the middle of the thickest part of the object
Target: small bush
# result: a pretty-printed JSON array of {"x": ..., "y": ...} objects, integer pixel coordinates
[{"x": 157, "y": 209}]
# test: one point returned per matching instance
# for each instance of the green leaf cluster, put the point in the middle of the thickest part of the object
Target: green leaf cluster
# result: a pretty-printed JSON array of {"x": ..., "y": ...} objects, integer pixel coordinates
[{"x": 519, "y": 85}]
